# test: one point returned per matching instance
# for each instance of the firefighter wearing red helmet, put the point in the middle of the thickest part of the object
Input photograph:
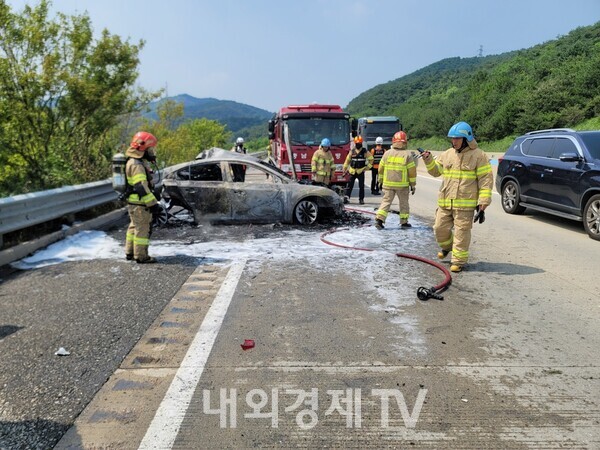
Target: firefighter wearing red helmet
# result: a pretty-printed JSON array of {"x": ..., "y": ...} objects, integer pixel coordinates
[
  {"x": 397, "y": 176},
  {"x": 141, "y": 201}
]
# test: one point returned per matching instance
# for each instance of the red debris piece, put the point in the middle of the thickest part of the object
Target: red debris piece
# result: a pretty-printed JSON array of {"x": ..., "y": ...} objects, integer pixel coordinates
[{"x": 248, "y": 344}]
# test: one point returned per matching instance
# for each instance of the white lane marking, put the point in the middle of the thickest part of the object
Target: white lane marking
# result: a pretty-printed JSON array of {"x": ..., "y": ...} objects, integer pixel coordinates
[{"x": 163, "y": 429}]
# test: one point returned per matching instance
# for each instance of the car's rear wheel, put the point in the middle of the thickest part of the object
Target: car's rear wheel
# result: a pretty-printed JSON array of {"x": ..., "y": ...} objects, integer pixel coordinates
[
  {"x": 510, "y": 198},
  {"x": 591, "y": 217},
  {"x": 306, "y": 212},
  {"x": 161, "y": 217}
]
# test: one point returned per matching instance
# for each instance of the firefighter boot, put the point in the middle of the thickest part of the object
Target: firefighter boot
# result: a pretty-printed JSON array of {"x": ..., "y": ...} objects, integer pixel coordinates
[
  {"x": 456, "y": 268},
  {"x": 129, "y": 256},
  {"x": 379, "y": 224},
  {"x": 146, "y": 260},
  {"x": 442, "y": 254},
  {"x": 405, "y": 225}
]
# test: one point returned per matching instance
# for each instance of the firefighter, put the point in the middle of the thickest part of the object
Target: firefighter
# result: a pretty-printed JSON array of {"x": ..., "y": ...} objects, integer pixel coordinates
[
  {"x": 397, "y": 175},
  {"x": 377, "y": 153},
  {"x": 142, "y": 203},
  {"x": 466, "y": 186},
  {"x": 322, "y": 165},
  {"x": 357, "y": 162},
  {"x": 239, "y": 170}
]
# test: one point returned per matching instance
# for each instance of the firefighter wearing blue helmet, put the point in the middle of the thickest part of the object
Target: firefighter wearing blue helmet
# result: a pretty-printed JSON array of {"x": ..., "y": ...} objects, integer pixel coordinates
[
  {"x": 322, "y": 164},
  {"x": 466, "y": 187}
]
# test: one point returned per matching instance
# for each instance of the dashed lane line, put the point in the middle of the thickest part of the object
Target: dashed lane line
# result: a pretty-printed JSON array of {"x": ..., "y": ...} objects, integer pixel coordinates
[{"x": 163, "y": 429}]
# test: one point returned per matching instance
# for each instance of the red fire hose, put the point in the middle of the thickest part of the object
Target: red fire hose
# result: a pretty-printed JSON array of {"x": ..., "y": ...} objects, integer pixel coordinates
[{"x": 423, "y": 293}]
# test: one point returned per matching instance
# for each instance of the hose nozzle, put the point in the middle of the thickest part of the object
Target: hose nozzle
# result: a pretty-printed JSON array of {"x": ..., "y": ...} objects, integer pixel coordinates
[{"x": 425, "y": 294}]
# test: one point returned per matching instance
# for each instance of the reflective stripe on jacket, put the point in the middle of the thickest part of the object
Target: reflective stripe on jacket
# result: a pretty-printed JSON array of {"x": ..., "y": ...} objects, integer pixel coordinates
[
  {"x": 322, "y": 163},
  {"x": 358, "y": 161},
  {"x": 467, "y": 177},
  {"x": 397, "y": 169},
  {"x": 377, "y": 155},
  {"x": 139, "y": 179}
]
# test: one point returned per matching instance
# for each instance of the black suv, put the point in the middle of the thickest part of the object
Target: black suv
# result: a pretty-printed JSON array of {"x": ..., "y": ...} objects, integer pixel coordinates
[{"x": 555, "y": 171}]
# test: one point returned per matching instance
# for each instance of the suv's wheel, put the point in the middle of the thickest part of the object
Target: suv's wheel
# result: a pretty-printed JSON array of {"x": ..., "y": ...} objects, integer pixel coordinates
[
  {"x": 306, "y": 212},
  {"x": 510, "y": 198},
  {"x": 591, "y": 217}
]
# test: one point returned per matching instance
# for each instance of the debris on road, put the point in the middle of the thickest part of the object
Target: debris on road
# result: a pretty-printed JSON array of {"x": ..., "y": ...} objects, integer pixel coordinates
[
  {"x": 248, "y": 344},
  {"x": 62, "y": 352}
]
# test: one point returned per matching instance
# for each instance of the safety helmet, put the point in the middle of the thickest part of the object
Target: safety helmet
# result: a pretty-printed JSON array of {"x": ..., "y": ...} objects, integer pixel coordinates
[
  {"x": 325, "y": 143},
  {"x": 461, "y": 129},
  {"x": 358, "y": 140},
  {"x": 142, "y": 141},
  {"x": 239, "y": 141},
  {"x": 379, "y": 140},
  {"x": 400, "y": 136}
]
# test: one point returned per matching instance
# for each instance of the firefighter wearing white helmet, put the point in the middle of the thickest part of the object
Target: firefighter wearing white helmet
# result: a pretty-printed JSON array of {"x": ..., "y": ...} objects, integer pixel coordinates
[
  {"x": 239, "y": 170},
  {"x": 397, "y": 176},
  {"x": 377, "y": 153},
  {"x": 466, "y": 187},
  {"x": 141, "y": 201}
]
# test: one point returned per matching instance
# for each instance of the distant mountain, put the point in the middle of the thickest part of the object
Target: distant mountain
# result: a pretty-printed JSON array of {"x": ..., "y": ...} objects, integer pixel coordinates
[{"x": 235, "y": 115}]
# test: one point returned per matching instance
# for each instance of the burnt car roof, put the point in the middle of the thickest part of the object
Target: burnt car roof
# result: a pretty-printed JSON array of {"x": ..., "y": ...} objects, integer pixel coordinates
[{"x": 216, "y": 154}]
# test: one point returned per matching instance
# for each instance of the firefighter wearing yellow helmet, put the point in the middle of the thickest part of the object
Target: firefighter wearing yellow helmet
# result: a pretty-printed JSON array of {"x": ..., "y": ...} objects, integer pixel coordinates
[
  {"x": 141, "y": 201},
  {"x": 397, "y": 176},
  {"x": 466, "y": 186}
]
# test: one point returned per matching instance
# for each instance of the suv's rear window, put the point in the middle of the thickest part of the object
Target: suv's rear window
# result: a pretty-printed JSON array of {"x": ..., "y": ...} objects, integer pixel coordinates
[
  {"x": 592, "y": 142},
  {"x": 563, "y": 145}
]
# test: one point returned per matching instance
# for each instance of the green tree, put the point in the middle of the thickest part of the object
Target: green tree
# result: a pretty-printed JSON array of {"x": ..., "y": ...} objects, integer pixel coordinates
[
  {"x": 61, "y": 92},
  {"x": 180, "y": 143}
]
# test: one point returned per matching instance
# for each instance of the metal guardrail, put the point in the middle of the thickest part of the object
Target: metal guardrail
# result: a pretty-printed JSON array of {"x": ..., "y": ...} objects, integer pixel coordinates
[{"x": 25, "y": 210}]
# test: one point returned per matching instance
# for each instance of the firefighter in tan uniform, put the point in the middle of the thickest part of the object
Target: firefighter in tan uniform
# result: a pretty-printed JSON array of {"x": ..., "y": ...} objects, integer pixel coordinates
[
  {"x": 466, "y": 186},
  {"x": 322, "y": 165},
  {"x": 397, "y": 175},
  {"x": 141, "y": 201}
]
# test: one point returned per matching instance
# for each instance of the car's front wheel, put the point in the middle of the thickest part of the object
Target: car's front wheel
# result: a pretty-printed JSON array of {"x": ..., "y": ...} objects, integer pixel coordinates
[
  {"x": 306, "y": 212},
  {"x": 591, "y": 217},
  {"x": 510, "y": 198}
]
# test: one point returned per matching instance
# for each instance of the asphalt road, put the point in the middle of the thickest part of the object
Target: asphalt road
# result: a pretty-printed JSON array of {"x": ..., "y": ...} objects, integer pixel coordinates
[{"x": 344, "y": 355}]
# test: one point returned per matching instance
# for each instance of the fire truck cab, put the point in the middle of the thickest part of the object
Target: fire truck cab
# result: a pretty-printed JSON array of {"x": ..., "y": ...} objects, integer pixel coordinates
[
  {"x": 295, "y": 133},
  {"x": 369, "y": 128}
]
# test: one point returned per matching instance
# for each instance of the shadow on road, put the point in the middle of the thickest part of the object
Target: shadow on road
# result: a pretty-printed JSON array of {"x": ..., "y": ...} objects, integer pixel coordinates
[
  {"x": 503, "y": 268},
  {"x": 7, "y": 330},
  {"x": 31, "y": 433}
]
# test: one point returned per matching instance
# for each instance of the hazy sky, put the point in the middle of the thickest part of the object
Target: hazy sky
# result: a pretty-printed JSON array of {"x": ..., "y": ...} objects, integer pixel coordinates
[{"x": 271, "y": 53}]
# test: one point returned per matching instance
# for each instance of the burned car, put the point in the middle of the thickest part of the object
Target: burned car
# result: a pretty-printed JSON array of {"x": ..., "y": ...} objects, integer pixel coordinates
[{"x": 207, "y": 189}]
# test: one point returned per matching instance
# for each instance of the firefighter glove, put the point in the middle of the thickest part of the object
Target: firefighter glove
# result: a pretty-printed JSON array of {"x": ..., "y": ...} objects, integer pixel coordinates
[
  {"x": 479, "y": 215},
  {"x": 412, "y": 190},
  {"x": 155, "y": 209}
]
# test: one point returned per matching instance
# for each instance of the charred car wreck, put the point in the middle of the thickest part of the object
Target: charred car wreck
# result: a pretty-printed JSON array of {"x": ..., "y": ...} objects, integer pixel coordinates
[{"x": 207, "y": 189}]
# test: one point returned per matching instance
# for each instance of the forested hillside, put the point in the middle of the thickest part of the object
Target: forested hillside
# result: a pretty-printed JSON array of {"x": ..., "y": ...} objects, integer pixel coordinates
[{"x": 555, "y": 84}]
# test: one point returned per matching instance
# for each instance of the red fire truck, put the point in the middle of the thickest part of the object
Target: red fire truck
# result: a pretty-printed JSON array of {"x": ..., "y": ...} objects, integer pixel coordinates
[{"x": 296, "y": 131}]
